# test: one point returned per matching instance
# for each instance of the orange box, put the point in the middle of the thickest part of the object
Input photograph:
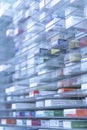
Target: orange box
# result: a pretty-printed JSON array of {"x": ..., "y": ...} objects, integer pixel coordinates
[
  {"x": 62, "y": 90},
  {"x": 81, "y": 112},
  {"x": 10, "y": 121},
  {"x": 75, "y": 112}
]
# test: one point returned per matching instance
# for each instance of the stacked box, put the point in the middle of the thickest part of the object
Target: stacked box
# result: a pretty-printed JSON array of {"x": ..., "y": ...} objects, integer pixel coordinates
[
  {"x": 62, "y": 90},
  {"x": 36, "y": 122},
  {"x": 74, "y": 44},
  {"x": 75, "y": 124},
  {"x": 62, "y": 102},
  {"x": 50, "y": 113},
  {"x": 72, "y": 57},
  {"x": 44, "y": 113},
  {"x": 22, "y": 105},
  {"x": 75, "y": 112},
  {"x": 8, "y": 121},
  {"x": 21, "y": 122},
  {"x": 40, "y": 104},
  {"x": 56, "y": 123},
  {"x": 45, "y": 123}
]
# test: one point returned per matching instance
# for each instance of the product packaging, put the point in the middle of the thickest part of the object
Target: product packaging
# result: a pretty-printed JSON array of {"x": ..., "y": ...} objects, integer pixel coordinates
[
  {"x": 74, "y": 44},
  {"x": 36, "y": 122},
  {"x": 72, "y": 21},
  {"x": 22, "y": 105},
  {"x": 45, "y": 123},
  {"x": 74, "y": 124},
  {"x": 40, "y": 104},
  {"x": 62, "y": 90},
  {"x": 75, "y": 112},
  {"x": 72, "y": 57},
  {"x": 8, "y": 121}
]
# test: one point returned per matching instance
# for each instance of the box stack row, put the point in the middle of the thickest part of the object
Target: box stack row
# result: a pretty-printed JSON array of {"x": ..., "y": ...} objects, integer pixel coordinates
[{"x": 50, "y": 79}]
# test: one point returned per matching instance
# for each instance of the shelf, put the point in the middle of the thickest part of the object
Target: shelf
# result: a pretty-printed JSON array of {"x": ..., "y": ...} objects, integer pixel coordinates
[
  {"x": 45, "y": 118},
  {"x": 84, "y": 106},
  {"x": 45, "y": 67},
  {"x": 40, "y": 127},
  {"x": 70, "y": 69},
  {"x": 71, "y": 94}
]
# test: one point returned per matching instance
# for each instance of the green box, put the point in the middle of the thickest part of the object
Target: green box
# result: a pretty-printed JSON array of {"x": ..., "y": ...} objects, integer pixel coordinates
[
  {"x": 49, "y": 113},
  {"x": 79, "y": 124},
  {"x": 58, "y": 113}
]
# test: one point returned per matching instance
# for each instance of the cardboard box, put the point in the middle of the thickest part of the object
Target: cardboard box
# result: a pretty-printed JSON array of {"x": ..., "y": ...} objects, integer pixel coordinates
[
  {"x": 55, "y": 24},
  {"x": 45, "y": 123},
  {"x": 29, "y": 123},
  {"x": 75, "y": 112},
  {"x": 60, "y": 44},
  {"x": 30, "y": 114},
  {"x": 19, "y": 114},
  {"x": 21, "y": 122},
  {"x": 33, "y": 93},
  {"x": 55, "y": 51},
  {"x": 74, "y": 44},
  {"x": 44, "y": 113},
  {"x": 75, "y": 124},
  {"x": 84, "y": 86},
  {"x": 22, "y": 105},
  {"x": 62, "y": 90},
  {"x": 72, "y": 20},
  {"x": 72, "y": 57},
  {"x": 40, "y": 104},
  {"x": 36, "y": 122},
  {"x": 18, "y": 122},
  {"x": 8, "y": 121},
  {"x": 56, "y": 123},
  {"x": 58, "y": 113},
  {"x": 61, "y": 102}
]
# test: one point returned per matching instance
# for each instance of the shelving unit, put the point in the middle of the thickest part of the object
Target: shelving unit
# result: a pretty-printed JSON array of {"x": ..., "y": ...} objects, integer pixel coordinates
[{"x": 48, "y": 87}]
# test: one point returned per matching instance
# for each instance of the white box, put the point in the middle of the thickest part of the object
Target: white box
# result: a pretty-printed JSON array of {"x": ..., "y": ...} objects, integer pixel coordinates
[
  {"x": 84, "y": 78},
  {"x": 54, "y": 123},
  {"x": 67, "y": 124},
  {"x": 33, "y": 85},
  {"x": 9, "y": 98},
  {"x": 19, "y": 122},
  {"x": 22, "y": 105},
  {"x": 13, "y": 88},
  {"x": 7, "y": 90},
  {"x": 69, "y": 111},
  {"x": 72, "y": 20},
  {"x": 55, "y": 23},
  {"x": 40, "y": 114},
  {"x": 29, "y": 122},
  {"x": 45, "y": 123},
  {"x": 3, "y": 121},
  {"x": 84, "y": 86},
  {"x": 63, "y": 102},
  {"x": 40, "y": 104},
  {"x": 42, "y": 16},
  {"x": 83, "y": 66}
]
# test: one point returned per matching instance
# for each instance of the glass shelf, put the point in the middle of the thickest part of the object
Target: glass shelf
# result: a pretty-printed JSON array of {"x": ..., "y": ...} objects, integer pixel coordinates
[
  {"x": 39, "y": 127},
  {"x": 72, "y": 94},
  {"x": 44, "y": 59}
]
